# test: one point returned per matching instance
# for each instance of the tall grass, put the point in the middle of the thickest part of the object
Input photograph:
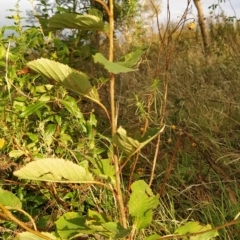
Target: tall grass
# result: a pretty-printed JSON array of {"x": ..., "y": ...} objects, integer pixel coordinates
[{"x": 203, "y": 104}]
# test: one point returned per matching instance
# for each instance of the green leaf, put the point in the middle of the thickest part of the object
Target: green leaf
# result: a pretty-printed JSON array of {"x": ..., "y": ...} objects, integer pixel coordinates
[
  {"x": 2, "y": 52},
  {"x": 116, "y": 230},
  {"x": 70, "y": 224},
  {"x": 131, "y": 59},
  {"x": 73, "y": 80},
  {"x": 110, "y": 66},
  {"x": 95, "y": 12},
  {"x": 153, "y": 237},
  {"x": 125, "y": 143},
  {"x": 71, "y": 105},
  {"x": 99, "y": 223},
  {"x": 31, "y": 236},
  {"x": 9, "y": 199},
  {"x": 65, "y": 138},
  {"x": 141, "y": 203},
  {"x": 194, "y": 227},
  {"x": 32, "y": 108},
  {"x": 50, "y": 130},
  {"x": 54, "y": 170},
  {"x": 2, "y": 64},
  {"x": 98, "y": 218},
  {"x": 44, "y": 98},
  {"x": 95, "y": 220},
  {"x": 129, "y": 145},
  {"x": 63, "y": 74},
  {"x": 62, "y": 9},
  {"x": 16, "y": 153},
  {"x": 73, "y": 224},
  {"x": 75, "y": 21},
  {"x": 48, "y": 133},
  {"x": 105, "y": 169}
]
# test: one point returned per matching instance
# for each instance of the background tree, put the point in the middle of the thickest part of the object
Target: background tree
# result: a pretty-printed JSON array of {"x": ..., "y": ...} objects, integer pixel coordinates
[
  {"x": 202, "y": 25},
  {"x": 46, "y": 8}
]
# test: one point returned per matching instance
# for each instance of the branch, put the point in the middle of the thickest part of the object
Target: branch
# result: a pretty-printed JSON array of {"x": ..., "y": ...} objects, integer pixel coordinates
[{"x": 104, "y": 6}]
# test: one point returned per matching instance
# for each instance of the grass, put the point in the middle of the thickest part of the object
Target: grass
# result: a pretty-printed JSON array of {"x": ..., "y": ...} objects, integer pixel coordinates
[{"x": 203, "y": 103}]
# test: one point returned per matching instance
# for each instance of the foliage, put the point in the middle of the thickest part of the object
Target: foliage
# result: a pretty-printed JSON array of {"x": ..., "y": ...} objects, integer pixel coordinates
[{"x": 81, "y": 179}]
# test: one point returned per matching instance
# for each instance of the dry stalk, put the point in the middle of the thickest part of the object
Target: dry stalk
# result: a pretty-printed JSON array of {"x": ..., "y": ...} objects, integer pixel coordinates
[
  {"x": 7, "y": 215},
  {"x": 168, "y": 53}
]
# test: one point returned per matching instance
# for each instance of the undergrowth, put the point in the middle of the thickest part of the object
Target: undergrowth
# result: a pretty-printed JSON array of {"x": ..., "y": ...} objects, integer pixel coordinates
[{"x": 197, "y": 167}]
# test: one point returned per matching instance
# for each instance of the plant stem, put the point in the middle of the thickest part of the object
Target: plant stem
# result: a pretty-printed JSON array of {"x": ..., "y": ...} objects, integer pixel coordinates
[
  {"x": 118, "y": 189},
  {"x": 118, "y": 194},
  {"x": 8, "y": 216}
]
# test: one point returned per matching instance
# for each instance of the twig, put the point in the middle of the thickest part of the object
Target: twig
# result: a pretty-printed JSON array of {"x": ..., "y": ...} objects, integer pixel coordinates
[
  {"x": 26, "y": 214},
  {"x": 166, "y": 79},
  {"x": 161, "y": 191},
  {"x": 105, "y": 6},
  {"x": 8, "y": 216},
  {"x": 133, "y": 167}
]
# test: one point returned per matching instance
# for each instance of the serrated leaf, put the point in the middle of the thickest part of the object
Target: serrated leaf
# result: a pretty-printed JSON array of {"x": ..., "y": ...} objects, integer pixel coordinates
[
  {"x": 129, "y": 145},
  {"x": 63, "y": 74},
  {"x": 194, "y": 227},
  {"x": 9, "y": 199},
  {"x": 73, "y": 80},
  {"x": 54, "y": 170},
  {"x": 141, "y": 203},
  {"x": 110, "y": 66},
  {"x": 31, "y": 236},
  {"x": 75, "y": 21},
  {"x": 32, "y": 108}
]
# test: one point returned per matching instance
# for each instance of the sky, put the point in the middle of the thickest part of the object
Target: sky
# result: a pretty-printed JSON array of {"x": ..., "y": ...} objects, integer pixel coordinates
[{"x": 177, "y": 7}]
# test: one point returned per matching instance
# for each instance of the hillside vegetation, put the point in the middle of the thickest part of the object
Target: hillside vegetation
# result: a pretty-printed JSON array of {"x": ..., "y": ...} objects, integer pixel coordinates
[{"x": 160, "y": 152}]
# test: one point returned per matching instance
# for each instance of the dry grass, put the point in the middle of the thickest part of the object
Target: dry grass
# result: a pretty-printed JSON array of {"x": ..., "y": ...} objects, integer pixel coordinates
[{"x": 203, "y": 103}]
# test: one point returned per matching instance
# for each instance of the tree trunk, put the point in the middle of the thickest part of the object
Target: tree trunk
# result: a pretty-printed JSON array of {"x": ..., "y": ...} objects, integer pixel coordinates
[{"x": 202, "y": 25}]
